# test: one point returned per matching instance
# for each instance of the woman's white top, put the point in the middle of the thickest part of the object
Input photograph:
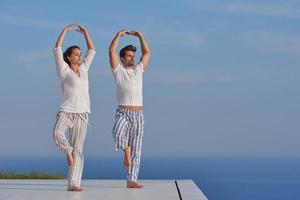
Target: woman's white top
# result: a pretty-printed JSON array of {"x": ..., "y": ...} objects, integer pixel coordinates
[{"x": 76, "y": 98}]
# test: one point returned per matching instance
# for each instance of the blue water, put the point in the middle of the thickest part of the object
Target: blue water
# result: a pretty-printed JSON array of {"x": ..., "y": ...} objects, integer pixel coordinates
[{"x": 221, "y": 178}]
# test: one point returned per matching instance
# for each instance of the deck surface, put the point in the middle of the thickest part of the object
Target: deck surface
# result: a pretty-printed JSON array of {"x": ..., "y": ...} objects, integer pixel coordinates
[{"x": 98, "y": 189}]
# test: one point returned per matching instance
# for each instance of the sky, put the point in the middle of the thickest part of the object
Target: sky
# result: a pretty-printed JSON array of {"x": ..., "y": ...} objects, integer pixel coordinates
[{"x": 223, "y": 79}]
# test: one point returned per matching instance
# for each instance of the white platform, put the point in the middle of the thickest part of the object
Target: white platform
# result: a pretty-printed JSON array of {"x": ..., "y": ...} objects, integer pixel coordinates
[{"x": 98, "y": 190}]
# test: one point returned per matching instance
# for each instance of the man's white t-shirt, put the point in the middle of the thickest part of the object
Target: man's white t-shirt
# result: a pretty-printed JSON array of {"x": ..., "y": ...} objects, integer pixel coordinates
[{"x": 129, "y": 84}]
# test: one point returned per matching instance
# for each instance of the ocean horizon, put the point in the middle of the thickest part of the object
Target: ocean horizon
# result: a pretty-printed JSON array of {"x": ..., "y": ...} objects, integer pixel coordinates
[{"x": 220, "y": 178}]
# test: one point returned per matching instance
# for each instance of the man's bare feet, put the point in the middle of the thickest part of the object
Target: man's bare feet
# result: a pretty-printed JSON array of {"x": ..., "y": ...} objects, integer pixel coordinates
[
  {"x": 127, "y": 157},
  {"x": 132, "y": 184},
  {"x": 70, "y": 159},
  {"x": 75, "y": 189}
]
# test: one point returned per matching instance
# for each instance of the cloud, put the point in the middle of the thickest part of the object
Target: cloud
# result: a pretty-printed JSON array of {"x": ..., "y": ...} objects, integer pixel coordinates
[
  {"x": 263, "y": 9},
  {"x": 288, "y": 9},
  {"x": 170, "y": 32},
  {"x": 33, "y": 56},
  {"x": 180, "y": 37},
  {"x": 24, "y": 21},
  {"x": 36, "y": 59},
  {"x": 271, "y": 42},
  {"x": 187, "y": 78}
]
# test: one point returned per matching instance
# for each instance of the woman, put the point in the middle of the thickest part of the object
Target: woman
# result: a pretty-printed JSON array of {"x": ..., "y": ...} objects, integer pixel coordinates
[{"x": 72, "y": 71}]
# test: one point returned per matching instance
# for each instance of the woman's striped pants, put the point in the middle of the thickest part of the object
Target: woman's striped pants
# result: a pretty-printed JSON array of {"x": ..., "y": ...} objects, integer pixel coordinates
[
  {"x": 128, "y": 131},
  {"x": 77, "y": 124}
]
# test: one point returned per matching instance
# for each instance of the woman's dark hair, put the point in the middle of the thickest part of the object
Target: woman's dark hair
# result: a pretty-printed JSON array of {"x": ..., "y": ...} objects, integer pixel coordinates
[
  {"x": 68, "y": 52},
  {"x": 127, "y": 48}
]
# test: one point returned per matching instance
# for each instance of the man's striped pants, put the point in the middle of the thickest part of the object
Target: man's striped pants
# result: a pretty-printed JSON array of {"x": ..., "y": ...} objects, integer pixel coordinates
[{"x": 128, "y": 131}]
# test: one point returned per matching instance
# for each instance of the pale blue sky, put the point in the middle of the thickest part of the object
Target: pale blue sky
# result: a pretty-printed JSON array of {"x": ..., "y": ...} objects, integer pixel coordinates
[{"x": 223, "y": 78}]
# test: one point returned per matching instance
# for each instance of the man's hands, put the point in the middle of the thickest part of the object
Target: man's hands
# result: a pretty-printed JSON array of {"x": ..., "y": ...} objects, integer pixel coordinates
[
  {"x": 122, "y": 33},
  {"x": 135, "y": 33},
  {"x": 69, "y": 28}
]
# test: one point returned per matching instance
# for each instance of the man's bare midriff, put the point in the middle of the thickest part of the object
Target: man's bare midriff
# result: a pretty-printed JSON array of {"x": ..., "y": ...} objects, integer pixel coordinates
[{"x": 133, "y": 108}]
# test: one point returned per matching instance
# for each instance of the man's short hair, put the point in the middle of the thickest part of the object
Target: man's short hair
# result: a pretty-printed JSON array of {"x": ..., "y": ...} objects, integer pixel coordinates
[{"x": 127, "y": 48}]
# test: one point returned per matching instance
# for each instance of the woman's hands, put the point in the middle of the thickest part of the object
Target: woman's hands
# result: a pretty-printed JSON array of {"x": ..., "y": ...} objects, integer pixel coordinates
[
  {"x": 79, "y": 29},
  {"x": 69, "y": 27}
]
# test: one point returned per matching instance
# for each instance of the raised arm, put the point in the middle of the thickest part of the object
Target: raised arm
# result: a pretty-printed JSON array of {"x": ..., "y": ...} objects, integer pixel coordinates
[
  {"x": 86, "y": 35},
  {"x": 61, "y": 38},
  {"x": 144, "y": 46},
  {"x": 113, "y": 56},
  {"x": 61, "y": 66}
]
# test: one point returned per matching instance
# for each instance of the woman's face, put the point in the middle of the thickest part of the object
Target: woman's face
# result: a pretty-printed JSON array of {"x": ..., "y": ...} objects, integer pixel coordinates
[{"x": 75, "y": 57}]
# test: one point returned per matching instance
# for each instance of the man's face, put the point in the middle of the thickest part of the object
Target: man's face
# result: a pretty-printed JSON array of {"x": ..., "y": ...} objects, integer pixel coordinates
[{"x": 128, "y": 59}]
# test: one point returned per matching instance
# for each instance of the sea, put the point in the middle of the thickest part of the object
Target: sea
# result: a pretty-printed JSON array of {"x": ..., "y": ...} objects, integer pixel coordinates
[{"x": 219, "y": 177}]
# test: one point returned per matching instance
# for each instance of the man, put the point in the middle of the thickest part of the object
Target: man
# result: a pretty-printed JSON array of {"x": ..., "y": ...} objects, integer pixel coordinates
[{"x": 129, "y": 121}]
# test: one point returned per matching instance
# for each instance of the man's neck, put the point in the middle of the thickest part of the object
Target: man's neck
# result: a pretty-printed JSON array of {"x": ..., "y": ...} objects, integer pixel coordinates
[{"x": 127, "y": 67}]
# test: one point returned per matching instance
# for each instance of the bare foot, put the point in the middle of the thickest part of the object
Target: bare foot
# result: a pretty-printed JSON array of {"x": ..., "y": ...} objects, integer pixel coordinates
[
  {"x": 75, "y": 189},
  {"x": 70, "y": 159},
  {"x": 132, "y": 184},
  {"x": 127, "y": 157}
]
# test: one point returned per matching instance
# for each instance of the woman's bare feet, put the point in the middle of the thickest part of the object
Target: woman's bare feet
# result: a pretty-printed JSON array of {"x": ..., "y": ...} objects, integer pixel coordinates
[
  {"x": 127, "y": 157},
  {"x": 132, "y": 184},
  {"x": 70, "y": 159},
  {"x": 75, "y": 189}
]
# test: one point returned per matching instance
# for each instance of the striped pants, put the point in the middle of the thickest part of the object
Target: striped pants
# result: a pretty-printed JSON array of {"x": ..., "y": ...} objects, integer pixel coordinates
[
  {"x": 128, "y": 131},
  {"x": 77, "y": 124}
]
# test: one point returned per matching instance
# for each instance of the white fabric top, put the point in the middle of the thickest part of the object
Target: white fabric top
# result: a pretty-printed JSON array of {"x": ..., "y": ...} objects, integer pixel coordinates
[
  {"x": 129, "y": 84},
  {"x": 76, "y": 98}
]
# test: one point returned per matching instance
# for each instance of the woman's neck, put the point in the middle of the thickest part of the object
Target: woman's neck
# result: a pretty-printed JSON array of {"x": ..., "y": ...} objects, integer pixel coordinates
[
  {"x": 74, "y": 66},
  {"x": 75, "y": 69}
]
